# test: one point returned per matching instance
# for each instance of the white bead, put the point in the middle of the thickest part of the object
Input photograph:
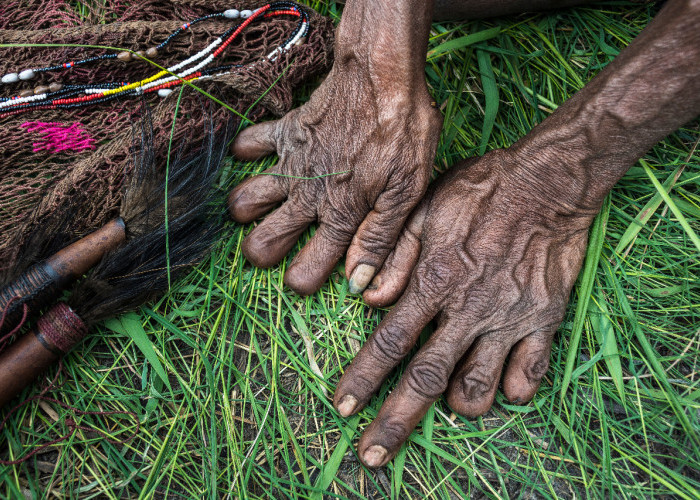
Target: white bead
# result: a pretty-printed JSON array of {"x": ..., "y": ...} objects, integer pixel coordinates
[
  {"x": 10, "y": 78},
  {"x": 245, "y": 14},
  {"x": 27, "y": 74},
  {"x": 164, "y": 92},
  {"x": 232, "y": 13}
]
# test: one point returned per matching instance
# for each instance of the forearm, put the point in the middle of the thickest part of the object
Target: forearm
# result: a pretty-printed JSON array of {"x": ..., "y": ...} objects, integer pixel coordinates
[
  {"x": 652, "y": 88},
  {"x": 479, "y": 9},
  {"x": 387, "y": 41}
]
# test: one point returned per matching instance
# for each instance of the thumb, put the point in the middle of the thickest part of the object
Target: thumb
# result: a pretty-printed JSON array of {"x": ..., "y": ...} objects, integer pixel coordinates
[{"x": 377, "y": 235}]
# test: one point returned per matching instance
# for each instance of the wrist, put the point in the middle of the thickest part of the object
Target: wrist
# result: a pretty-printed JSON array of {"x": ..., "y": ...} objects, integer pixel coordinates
[
  {"x": 386, "y": 41},
  {"x": 554, "y": 175}
]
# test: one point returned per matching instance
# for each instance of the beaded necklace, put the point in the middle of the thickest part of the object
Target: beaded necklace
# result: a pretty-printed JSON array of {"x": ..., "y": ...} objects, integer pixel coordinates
[{"x": 196, "y": 67}]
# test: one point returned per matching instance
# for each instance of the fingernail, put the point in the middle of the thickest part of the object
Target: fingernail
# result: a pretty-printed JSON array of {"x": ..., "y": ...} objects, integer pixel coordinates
[
  {"x": 347, "y": 405},
  {"x": 374, "y": 456},
  {"x": 360, "y": 278}
]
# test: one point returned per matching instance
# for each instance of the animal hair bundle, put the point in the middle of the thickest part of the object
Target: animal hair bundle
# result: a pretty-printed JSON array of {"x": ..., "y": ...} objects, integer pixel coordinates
[
  {"x": 172, "y": 230},
  {"x": 156, "y": 254}
]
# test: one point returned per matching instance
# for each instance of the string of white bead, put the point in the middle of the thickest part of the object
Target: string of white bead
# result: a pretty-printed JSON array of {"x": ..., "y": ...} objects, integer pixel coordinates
[
  {"x": 273, "y": 55},
  {"x": 172, "y": 69},
  {"x": 204, "y": 54},
  {"x": 21, "y": 100}
]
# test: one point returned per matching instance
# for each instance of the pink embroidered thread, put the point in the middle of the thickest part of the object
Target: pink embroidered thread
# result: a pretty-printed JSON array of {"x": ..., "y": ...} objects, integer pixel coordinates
[{"x": 59, "y": 137}]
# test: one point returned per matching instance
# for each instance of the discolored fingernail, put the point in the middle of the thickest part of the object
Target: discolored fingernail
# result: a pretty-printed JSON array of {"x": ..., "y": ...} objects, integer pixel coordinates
[
  {"x": 360, "y": 278},
  {"x": 374, "y": 456},
  {"x": 347, "y": 405}
]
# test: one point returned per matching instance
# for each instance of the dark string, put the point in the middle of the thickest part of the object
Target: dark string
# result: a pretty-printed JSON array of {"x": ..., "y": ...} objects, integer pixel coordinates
[
  {"x": 70, "y": 422},
  {"x": 7, "y": 337}
]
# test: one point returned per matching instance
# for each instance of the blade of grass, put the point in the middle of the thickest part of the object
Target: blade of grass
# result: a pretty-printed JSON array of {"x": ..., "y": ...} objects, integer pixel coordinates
[
  {"x": 463, "y": 41},
  {"x": 585, "y": 288},
  {"x": 488, "y": 83},
  {"x": 679, "y": 215},
  {"x": 130, "y": 325}
]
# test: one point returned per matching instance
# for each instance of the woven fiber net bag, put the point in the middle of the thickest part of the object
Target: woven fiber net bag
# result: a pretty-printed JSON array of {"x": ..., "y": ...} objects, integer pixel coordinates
[{"x": 57, "y": 161}]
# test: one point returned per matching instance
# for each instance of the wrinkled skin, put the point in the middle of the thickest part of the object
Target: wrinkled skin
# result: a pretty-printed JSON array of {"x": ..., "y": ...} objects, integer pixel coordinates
[
  {"x": 356, "y": 158},
  {"x": 494, "y": 249},
  {"x": 495, "y": 270}
]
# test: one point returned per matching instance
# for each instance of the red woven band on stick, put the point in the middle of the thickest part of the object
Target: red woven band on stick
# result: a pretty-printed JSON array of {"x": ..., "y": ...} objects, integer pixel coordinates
[{"x": 62, "y": 327}]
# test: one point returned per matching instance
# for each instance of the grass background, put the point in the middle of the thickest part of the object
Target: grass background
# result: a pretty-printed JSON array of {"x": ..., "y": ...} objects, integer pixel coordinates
[{"x": 230, "y": 374}]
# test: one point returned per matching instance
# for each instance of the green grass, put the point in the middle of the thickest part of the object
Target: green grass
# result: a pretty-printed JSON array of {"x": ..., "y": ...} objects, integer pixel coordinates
[{"x": 233, "y": 386}]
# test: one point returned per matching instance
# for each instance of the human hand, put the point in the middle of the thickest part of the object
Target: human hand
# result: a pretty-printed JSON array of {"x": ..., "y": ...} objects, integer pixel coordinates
[
  {"x": 356, "y": 158},
  {"x": 496, "y": 261}
]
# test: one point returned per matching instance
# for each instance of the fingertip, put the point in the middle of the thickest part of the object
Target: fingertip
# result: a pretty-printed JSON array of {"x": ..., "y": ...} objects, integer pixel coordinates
[
  {"x": 375, "y": 456},
  {"x": 255, "y": 197},
  {"x": 301, "y": 282},
  {"x": 315, "y": 263},
  {"x": 518, "y": 392},
  {"x": 347, "y": 405},
  {"x": 239, "y": 205},
  {"x": 468, "y": 408},
  {"x": 361, "y": 277},
  {"x": 385, "y": 289},
  {"x": 254, "y": 142},
  {"x": 518, "y": 386},
  {"x": 527, "y": 366},
  {"x": 275, "y": 236},
  {"x": 258, "y": 253}
]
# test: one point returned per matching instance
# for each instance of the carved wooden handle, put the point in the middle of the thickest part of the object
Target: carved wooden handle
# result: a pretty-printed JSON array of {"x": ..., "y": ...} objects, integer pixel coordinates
[
  {"x": 43, "y": 282},
  {"x": 56, "y": 333}
]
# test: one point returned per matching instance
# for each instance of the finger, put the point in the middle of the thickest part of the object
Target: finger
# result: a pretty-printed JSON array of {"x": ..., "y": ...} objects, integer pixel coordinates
[
  {"x": 256, "y": 141},
  {"x": 377, "y": 235},
  {"x": 256, "y": 196},
  {"x": 424, "y": 380},
  {"x": 393, "y": 278},
  {"x": 528, "y": 364},
  {"x": 387, "y": 346},
  {"x": 268, "y": 243},
  {"x": 473, "y": 385},
  {"x": 316, "y": 261}
]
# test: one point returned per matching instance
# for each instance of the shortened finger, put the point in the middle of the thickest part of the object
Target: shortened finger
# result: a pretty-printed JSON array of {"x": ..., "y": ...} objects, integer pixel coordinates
[
  {"x": 475, "y": 381},
  {"x": 315, "y": 262},
  {"x": 527, "y": 365},
  {"x": 275, "y": 236},
  {"x": 256, "y": 141},
  {"x": 387, "y": 346},
  {"x": 256, "y": 196}
]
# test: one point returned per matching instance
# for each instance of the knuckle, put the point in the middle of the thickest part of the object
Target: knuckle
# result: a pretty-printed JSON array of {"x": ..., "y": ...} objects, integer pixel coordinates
[
  {"x": 338, "y": 232},
  {"x": 427, "y": 377},
  {"x": 376, "y": 239},
  {"x": 477, "y": 383},
  {"x": 537, "y": 367},
  {"x": 391, "y": 343},
  {"x": 433, "y": 277}
]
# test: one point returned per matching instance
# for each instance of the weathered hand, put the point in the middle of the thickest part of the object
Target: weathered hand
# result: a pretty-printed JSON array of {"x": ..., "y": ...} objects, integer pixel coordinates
[
  {"x": 497, "y": 263},
  {"x": 356, "y": 158},
  {"x": 499, "y": 241}
]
